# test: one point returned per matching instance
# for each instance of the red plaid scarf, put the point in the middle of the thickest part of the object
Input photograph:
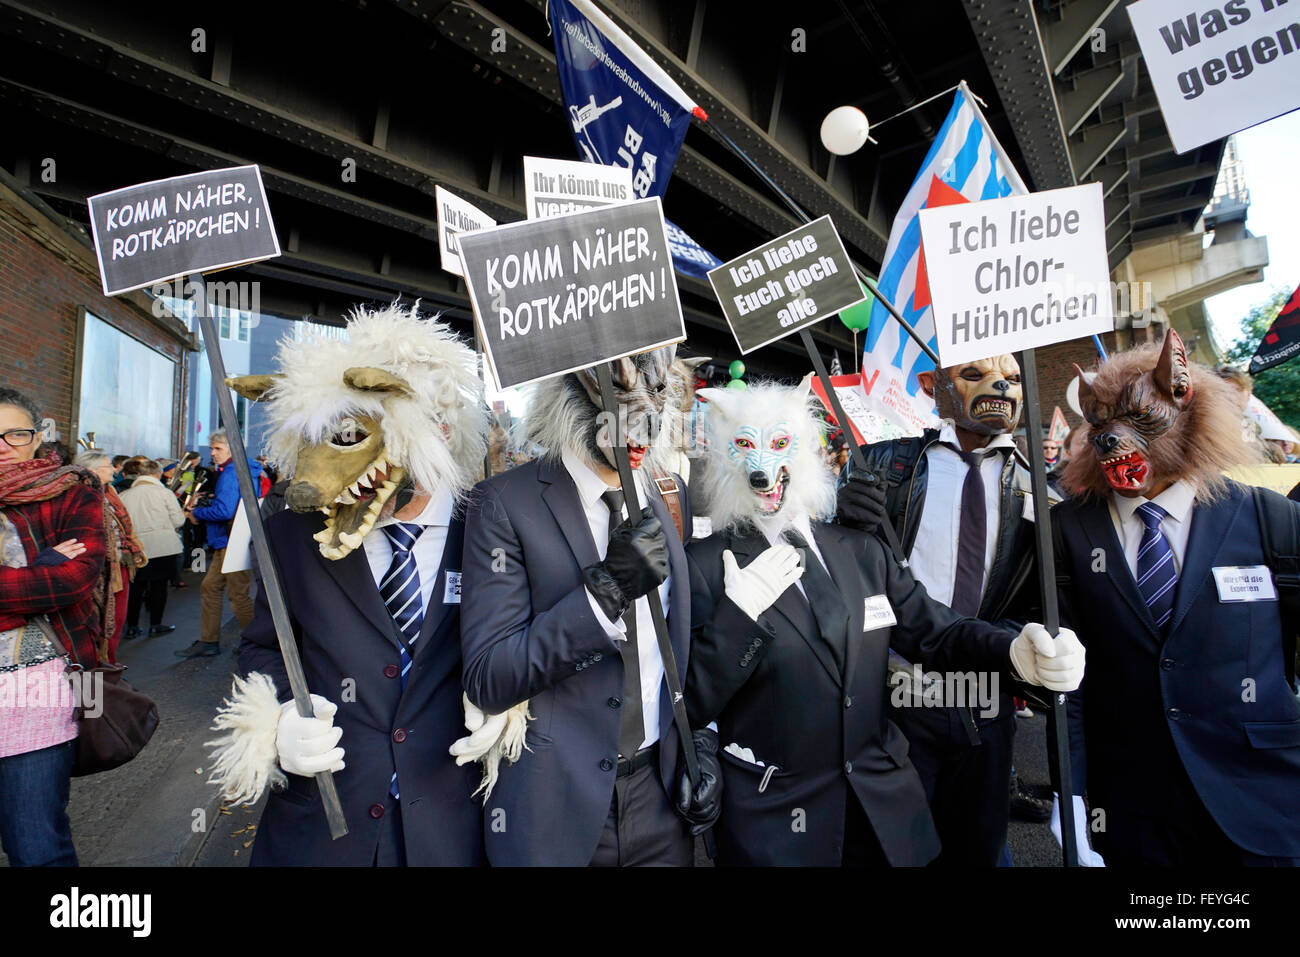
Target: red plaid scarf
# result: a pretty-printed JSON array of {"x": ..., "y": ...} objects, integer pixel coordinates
[{"x": 46, "y": 477}]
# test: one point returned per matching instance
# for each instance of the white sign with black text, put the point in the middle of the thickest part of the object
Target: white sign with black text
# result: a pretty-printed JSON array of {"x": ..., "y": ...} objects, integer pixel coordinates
[
  {"x": 456, "y": 216},
  {"x": 1219, "y": 67},
  {"x": 554, "y": 187},
  {"x": 1017, "y": 273}
]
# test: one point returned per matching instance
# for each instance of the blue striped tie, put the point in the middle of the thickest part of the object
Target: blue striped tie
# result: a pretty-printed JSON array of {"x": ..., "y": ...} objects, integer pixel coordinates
[
  {"x": 400, "y": 589},
  {"x": 1156, "y": 575}
]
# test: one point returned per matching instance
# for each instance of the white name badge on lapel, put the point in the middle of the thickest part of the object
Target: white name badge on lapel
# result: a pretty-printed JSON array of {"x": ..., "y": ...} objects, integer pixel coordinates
[
  {"x": 1244, "y": 583},
  {"x": 451, "y": 590},
  {"x": 876, "y": 613}
]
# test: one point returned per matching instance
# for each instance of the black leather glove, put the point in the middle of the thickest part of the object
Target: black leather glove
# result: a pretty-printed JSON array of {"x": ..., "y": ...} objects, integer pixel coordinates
[
  {"x": 700, "y": 806},
  {"x": 635, "y": 564},
  {"x": 860, "y": 501}
]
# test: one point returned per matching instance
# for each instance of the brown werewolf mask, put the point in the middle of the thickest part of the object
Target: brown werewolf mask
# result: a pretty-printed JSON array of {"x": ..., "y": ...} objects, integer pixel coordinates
[
  {"x": 982, "y": 397},
  {"x": 1153, "y": 417}
]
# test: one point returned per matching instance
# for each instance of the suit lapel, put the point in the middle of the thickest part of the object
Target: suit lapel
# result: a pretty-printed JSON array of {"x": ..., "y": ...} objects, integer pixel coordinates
[
  {"x": 792, "y": 606},
  {"x": 1100, "y": 530},
  {"x": 561, "y": 497},
  {"x": 352, "y": 573},
  {"x": 1209, "y": 530},
  {"x": 439, "y": 608},
  {"x": 844, "y": 572}
]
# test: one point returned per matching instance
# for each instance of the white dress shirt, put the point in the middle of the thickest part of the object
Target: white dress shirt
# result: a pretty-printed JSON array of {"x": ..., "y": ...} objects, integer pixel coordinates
[
  {"x": 1178, "y": 500},
  {"x": 590, "y": 489},
  {"x": 934, "y": 552},
  {"x": 428, "y": 549},
  {"x": 774, "y": 529}
]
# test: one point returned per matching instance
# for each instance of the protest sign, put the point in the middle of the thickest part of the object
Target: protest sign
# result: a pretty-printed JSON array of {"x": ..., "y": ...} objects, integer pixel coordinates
[
  {"x": 786, "y": 284},
  {"x": 1219, "y": 67},
  {"x": 554, "y": 187},
  {"x": 1017, "y": 273},
  {"x": 187, "y": 224},
  {"x": 555, "y": 295},
  {"x": 456, "y": 216}
]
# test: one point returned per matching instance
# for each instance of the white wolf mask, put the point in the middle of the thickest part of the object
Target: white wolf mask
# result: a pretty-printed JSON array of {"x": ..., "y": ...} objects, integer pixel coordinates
[{"x": 766, "y": 463}]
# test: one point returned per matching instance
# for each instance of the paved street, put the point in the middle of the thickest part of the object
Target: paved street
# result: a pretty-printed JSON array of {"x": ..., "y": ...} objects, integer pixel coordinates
[{"x": 158, "y": 810}]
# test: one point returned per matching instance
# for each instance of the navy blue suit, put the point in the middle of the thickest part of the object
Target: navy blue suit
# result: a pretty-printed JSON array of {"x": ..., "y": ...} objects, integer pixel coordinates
[
  {"x": 528, "y": 632},
  {"x": 346, "y": 634},
  {"x": 1180, "y": 735}
]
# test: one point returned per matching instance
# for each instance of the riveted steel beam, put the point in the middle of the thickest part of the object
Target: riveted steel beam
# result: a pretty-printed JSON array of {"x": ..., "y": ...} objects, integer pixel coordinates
[
  {"x": 1089, "y": 89},
  {"x": 1079, "y": 18},
  {"x": 1089, "y": 147}
]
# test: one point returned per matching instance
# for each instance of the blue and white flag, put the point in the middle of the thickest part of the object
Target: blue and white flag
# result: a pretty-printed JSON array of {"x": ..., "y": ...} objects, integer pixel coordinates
[
  {"x": 624, "y": 109},
  {"x": 965, "y": 164}
]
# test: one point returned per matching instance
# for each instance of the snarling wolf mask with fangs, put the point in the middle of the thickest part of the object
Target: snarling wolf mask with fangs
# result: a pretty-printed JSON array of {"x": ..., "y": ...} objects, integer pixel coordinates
[
  {"x": 765, "y": 444},
  {"x": 1153, "y": 417},
  {"x": 566, "y": 411},
  {"x": 354, "y": 423}
]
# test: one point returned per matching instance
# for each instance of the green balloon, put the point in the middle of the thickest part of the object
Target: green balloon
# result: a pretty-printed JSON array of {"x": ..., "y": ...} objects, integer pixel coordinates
[
  {"x": 737, "y": 384},
  {"x": 856, "y": 318},
  {"x": 737, "y": 369}
]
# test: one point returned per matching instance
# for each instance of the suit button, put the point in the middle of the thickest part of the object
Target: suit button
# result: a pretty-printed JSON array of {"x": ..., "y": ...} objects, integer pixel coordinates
[
  {"x": 848, "y": 767},
  {"x": 606, "y": 764},
  {"x": 391, "y": 671},
  {"x": 1174, "y": 714},
  {"x": 848, "y": 701},
  {"x": 579, "y": 666},
  {"x": 399, "y": 735},
  {"x": 1167, "y": 664},
  {"x": 614, "y": 703},
  {"x": 376, "y": 811},
  {"x": 596, "y": 657}
]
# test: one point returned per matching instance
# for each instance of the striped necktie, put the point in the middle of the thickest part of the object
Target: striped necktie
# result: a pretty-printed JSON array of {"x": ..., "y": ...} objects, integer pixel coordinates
[
  {"x": 400, "y": 590},
  {"x": 1156, "y": 575}
]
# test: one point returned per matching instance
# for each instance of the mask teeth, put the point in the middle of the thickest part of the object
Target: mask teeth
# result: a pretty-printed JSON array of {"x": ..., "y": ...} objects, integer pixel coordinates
[
  {"x": 323, "y": 536},
  {"x": 350, "y": 539}
]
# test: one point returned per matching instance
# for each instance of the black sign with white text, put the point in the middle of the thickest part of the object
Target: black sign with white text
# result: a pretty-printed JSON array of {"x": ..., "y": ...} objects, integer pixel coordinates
[
  {"x": 187, "y": 224},
  {"x": 555, "y": 295},
  {"x": 785, "y": 285}
]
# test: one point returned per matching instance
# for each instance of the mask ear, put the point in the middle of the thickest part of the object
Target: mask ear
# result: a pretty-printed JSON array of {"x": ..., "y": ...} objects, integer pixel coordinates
[
  {"x": 926, "y": 381},
  {"x": 372, "y": 379},
  {"x": 1172, "y": 375},
  {"x": 251, "y": 387},
  {"x": 805, "y": 385}
]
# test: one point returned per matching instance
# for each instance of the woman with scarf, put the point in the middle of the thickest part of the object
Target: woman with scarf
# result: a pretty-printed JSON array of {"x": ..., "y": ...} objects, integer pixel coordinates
[
  {"x": 54, "y": 531},
  {"x": 129, "y": 552}
]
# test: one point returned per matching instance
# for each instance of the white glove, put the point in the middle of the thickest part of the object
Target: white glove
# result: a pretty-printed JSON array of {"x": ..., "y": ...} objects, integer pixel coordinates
[
  {"x": 308, "y": 746},
  {"x": 759, "y": 584},
  {"x": 484, "y": 730},
  {"x": 1054, "y": 663},
  {"x": 1087, "y": 856}
]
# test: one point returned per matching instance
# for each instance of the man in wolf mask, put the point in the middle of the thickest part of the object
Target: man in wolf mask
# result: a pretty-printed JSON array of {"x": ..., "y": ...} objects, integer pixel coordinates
[
  {"x": 1182, "y": 584},
  {"x": 960, "y": 504},
  {"x": 557, "y": 626},
  {"x": 792, "y": 622},
  {"x": 382, "y": 434}
]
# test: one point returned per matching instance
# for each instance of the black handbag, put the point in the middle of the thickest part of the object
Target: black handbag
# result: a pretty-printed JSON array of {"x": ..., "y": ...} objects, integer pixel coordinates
[{"x": 126, "y": 718}]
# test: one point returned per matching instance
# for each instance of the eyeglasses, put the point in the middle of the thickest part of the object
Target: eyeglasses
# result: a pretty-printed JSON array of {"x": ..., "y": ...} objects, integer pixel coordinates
[{"x": 18, "y": 438}]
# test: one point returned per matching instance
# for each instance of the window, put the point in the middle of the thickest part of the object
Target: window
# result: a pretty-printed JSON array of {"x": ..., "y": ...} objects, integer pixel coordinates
[{"x": 125, "y": 391}]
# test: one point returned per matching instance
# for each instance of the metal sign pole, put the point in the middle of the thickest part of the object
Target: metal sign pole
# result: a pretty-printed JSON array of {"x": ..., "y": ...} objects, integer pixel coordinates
[{"x": 261, "y": 545}]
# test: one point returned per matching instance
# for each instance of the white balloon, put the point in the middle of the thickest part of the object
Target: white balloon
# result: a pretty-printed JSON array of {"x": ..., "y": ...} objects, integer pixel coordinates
[
  {"x": 1072, "y": 396},
  {"x": 844, "y": 130}
]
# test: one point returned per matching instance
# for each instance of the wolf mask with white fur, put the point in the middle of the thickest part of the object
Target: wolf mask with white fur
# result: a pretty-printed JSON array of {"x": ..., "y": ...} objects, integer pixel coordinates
[
  {"x": 766, "y": 465},
  {"x": 353, "y": 420}
]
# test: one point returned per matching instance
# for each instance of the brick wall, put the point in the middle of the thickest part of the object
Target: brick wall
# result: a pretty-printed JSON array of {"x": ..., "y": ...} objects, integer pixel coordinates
[
  {"x": 46, "y": 274},
  {"x": 1055, "y": 372}
]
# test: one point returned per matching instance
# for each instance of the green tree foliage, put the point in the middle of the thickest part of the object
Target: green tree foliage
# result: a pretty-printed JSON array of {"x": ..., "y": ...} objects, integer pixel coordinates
[{"x": 1278, "y": 387}]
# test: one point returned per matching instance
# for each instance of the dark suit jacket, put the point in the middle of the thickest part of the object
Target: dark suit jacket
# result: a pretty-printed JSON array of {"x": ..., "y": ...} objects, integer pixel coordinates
[
  {"x": 773, "y": 687},
  {"x": 1151, "y": 707},
  {"x": 528, "y": 632},
  {"x": 345, "y": 636}
]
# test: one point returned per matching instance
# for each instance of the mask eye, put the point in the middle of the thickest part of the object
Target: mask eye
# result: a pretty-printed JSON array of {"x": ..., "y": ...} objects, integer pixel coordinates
[
  {"x": 348, "y": 434},
  {"x": 742, "y": 443},
  {"x": 781, "y": 442}
]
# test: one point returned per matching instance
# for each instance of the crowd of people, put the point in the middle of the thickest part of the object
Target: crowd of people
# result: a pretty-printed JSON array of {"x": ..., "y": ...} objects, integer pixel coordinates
[{"x": 772, "y": 653}]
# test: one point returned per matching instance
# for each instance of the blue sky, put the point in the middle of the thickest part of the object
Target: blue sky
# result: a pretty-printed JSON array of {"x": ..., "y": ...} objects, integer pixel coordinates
[{"x": 1270, "y": 155}]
